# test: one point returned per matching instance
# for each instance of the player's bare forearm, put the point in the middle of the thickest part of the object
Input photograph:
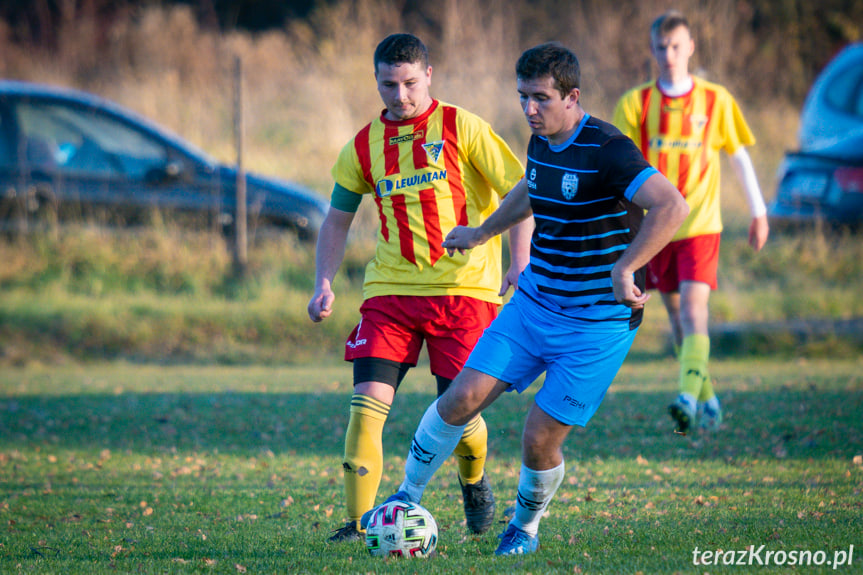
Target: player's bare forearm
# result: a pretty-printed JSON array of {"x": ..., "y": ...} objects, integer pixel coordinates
[
  {"x": 514, "y": 208},
  {"x": 519, "y": 253},
  {"x": 666, "y": 211},
  {"x": 519, "y": 243},
  {"x": 332, "y": 240}
]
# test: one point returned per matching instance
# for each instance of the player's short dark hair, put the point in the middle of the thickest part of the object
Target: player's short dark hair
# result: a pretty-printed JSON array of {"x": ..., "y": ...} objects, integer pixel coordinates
[
  {"x": 550, "y": 59},
  {"x": 666, "y": 23},
  {"x": 401, "y": 49}
]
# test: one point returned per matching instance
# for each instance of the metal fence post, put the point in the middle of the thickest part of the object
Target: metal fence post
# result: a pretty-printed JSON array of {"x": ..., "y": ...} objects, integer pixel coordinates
[{"x": 241, "y": 255}]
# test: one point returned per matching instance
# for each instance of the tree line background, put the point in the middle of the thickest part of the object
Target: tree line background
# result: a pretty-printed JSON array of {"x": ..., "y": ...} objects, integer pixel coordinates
[{"x": 788, "y": 40}]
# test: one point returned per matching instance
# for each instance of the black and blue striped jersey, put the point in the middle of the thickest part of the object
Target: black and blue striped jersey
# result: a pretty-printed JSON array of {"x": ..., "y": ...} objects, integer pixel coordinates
[{"x": 581, "y": 195}]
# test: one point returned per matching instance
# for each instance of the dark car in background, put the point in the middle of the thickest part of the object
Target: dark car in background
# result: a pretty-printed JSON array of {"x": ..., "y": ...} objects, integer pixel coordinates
[
  {"x": 823, "y": 180},
  {"x": 69, "y": 155}
]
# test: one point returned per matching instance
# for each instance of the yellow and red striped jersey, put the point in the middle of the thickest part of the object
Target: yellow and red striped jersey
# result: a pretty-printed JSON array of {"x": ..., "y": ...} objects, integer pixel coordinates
[
  {"x": 429, "y": 174},
  {"x": 682, "y": 138}
]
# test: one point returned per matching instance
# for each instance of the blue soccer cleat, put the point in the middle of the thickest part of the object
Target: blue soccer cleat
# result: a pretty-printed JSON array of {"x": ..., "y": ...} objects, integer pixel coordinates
[
  {"x": 709, "y": 416},
  {"x": 398, "y": 496},
  {"x": 514, "y": 541}
]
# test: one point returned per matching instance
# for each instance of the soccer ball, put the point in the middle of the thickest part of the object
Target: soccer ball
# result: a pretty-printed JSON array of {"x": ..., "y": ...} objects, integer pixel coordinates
[{"x": 401, "y": 529}]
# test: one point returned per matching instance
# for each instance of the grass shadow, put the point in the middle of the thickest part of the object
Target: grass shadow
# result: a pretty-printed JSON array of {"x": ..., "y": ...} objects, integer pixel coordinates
[{"x": 778, "y": 423}]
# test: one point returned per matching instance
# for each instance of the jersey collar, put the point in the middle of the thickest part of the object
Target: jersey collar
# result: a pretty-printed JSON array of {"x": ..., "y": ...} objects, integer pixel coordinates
[{"x": 417, "y": 120}]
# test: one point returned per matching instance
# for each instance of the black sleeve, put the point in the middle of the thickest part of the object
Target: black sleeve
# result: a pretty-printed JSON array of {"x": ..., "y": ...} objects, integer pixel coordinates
[{"x": 620, "y": 162}]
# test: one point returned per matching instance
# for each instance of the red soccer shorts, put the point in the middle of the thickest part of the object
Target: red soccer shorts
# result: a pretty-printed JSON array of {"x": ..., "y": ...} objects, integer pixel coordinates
[
  {"x": 690, "y": 259},
  {"x": 394, "y": 328}
]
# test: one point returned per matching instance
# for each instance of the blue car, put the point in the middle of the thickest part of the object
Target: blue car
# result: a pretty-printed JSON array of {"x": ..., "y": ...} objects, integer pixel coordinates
[
  {"x": 68, "y": 155},
  {"x": 822, "y": 182}
]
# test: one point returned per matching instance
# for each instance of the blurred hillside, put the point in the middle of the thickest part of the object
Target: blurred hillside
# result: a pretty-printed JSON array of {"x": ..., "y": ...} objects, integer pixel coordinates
[{"x": 308, "y": 81}]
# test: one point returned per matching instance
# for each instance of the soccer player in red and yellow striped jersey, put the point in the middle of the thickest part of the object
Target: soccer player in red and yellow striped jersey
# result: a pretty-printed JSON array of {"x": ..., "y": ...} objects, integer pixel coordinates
[
  {"x": 681, "y": 123},
  {"x": 429, "y": 166}
]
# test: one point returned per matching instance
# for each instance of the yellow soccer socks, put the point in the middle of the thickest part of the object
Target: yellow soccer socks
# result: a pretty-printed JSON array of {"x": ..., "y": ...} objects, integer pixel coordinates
[
  {"x": 472, "y": 450},
  {"x": 694, "y": 366},
  {"x": 694, "y": 353},
  {"x": 694, "y": 376},
  {"x": 363, "y": 463}
]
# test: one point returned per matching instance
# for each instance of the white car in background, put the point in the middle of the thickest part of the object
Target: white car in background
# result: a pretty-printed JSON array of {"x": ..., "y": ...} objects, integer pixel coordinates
[{"x": 823, "y": 180}]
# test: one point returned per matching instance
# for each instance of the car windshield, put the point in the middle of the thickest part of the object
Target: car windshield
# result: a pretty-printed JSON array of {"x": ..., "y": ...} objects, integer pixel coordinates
[
  {"x": 83, "y": 140},
  {"x": 845, "y": 93}
]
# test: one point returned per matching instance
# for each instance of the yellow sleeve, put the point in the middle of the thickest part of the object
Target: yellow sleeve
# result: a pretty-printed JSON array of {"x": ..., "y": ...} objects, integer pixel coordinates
[
  {"x": 737, "y": 132},
  {"x": 491, "y": 156},
  {"x": 347, "y": 172},
  {"x": 626, "y": 116}
]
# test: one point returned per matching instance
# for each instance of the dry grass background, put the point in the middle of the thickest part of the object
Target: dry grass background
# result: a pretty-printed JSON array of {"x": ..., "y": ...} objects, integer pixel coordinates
[{"x": 308, "y": 86}]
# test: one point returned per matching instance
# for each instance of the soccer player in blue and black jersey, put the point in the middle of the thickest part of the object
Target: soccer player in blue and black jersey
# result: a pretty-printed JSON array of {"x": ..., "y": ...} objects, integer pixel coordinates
[{"x": 601, "y": 212}]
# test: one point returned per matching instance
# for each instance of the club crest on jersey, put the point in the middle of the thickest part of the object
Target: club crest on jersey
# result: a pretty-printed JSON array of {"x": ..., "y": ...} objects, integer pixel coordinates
[
  {"x": 383, "y": 188},
  {"x": 531, "y": 183},
  {"x": 569, "y": 185},
  {"x": 433, "y": 150},
  {"x": 698, "y": 121}
]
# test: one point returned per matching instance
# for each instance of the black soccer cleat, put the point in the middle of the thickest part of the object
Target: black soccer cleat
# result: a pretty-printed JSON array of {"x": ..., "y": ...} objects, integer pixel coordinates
[
  {"x": 683, "y": 415},
  {"x": 347, "y": 533},
  {"x": 478, "y": 505}
]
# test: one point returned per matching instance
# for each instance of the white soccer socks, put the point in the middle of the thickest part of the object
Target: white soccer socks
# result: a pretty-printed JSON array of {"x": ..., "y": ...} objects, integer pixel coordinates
[
  {"x": 433, "y": 442},
  {"x": 535, "y": 491}
]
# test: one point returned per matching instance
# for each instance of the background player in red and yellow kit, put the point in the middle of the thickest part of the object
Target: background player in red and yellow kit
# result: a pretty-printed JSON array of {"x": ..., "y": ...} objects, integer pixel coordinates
[
  {"x": 681, "y": 123},
  {"x": 430, "y": 166}
]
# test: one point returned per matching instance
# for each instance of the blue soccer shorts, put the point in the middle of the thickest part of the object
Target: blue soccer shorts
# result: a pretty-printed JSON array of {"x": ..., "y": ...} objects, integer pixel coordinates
[{"x": 580, "y": 359}]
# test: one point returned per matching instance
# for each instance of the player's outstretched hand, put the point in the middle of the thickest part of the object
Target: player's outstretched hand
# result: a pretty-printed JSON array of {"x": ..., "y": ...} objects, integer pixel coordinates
[{"x": 461, "y": 238}]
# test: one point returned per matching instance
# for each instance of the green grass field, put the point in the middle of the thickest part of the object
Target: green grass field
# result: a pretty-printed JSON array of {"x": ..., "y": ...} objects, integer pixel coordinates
[
  {"x": 159, "y": 416},
  {"x": 149, "y": 469}
]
